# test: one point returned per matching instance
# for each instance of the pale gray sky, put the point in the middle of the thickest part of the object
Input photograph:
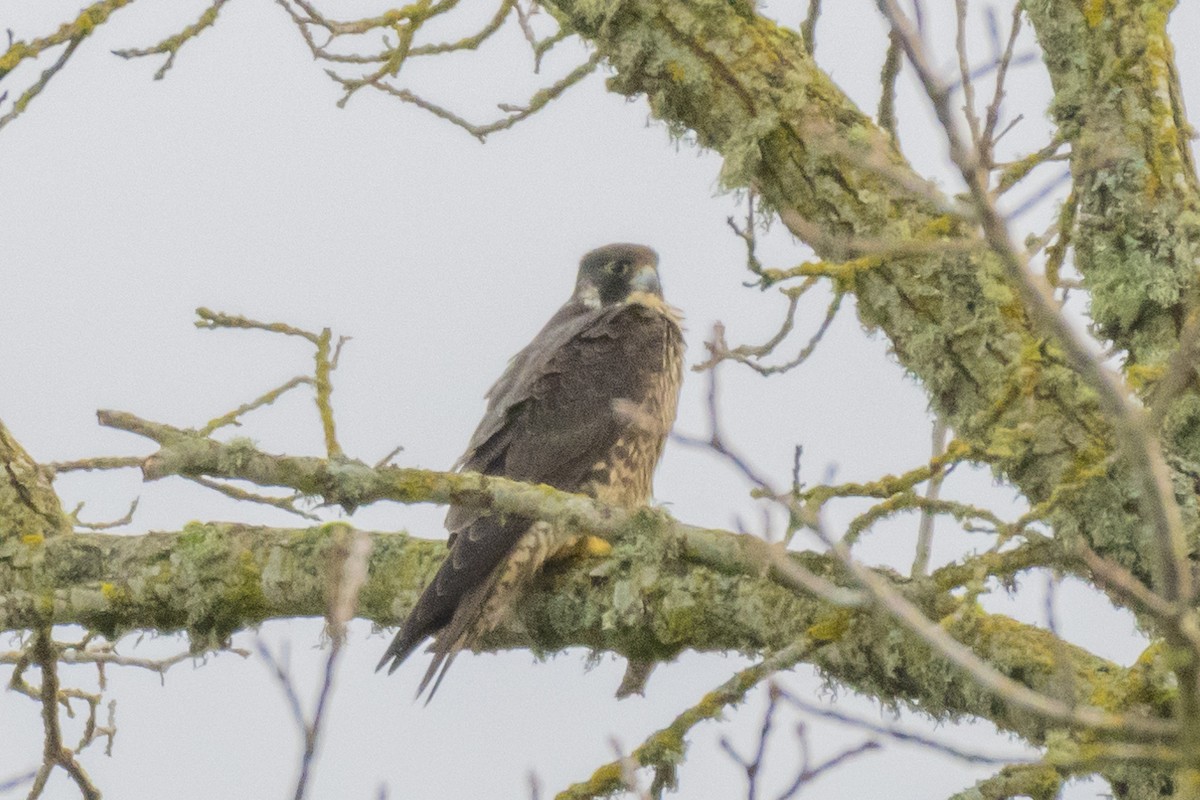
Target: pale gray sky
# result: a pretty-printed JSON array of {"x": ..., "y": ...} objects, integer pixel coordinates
[{"x": 237, "y": 184}]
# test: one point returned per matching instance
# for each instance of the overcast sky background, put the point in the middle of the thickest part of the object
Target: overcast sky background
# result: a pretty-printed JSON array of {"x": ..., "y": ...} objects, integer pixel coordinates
[{"x": 237, "y": 184}]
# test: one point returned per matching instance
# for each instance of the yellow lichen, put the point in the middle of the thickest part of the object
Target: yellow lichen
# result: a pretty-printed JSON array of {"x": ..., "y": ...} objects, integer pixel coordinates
[
  {"x": 1093, "y": 11},
  {"x": 832, "y": 626},
  {"x": 1143, "y": 376}
]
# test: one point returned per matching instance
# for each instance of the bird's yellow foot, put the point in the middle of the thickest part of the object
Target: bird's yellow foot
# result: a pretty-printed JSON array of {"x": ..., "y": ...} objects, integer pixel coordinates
[{"x": 594, "y": 546}]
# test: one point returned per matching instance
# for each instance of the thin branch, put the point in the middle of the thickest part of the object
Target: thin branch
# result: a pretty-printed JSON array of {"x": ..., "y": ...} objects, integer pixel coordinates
[
  {"x": 987, "y": 141},
  {"x": 753, "y": 767},
  {"x": 629, "y": 777},
  {"x": 893, "y": 60},
  {"x": 347, "y": 577},
  {"x": 481, "y": 131},
  {"x": 811, "y": 773},
  {"x": 1135, "y": 438},
  {"x": 1119, "y": 581},
  {"x": 808, "y": 28},
  {"x": 326, "y": 358},
  {"x": 279, "y": 670},
  {"x": 54, "y": 753},
  {"x": 283, "y": 503},
  {"x": 1179, "y": 372},
  {"x": 70, "y": 34},
  {"x": 1014, "y": 172},
  {"x": 324, "y": 387},
  {"x": 213, "y": 320},
  {"x": 749, "y": 237},
  {"x": 716, "y": 440},
  {"x": 103, "y": 526},
  {"x": 661, "y": 750},
  {"x": 17, "y": 781},
  {"x": 87, "y": 464},
  {"x": 968, "y": 86},
  {"x": 751, "y": 355},
  {"x": 170, "y": 46},
  {"x": 22, "y": 102},
  {"x": 985, "y": 675},
  {"x": 899, "y": 734},
  {"x": 925, "y": 530},
  {"x": 266, "y": 399}
]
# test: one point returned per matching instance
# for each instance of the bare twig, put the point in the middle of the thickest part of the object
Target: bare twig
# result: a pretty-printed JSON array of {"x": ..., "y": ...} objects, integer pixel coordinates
[
  {"x": 406, "y": 24},
  {"x": 266, "y": 399},
  {"x": 383, "y": 462},
  {"x": 103, "y": 526},
  {"x": 1179, "y": 372},
  {"x": 70, "y": 34},
  {"x": 347, "y": 574},
  {"x": 212, "y": 320},
  {"x": 661, "y": 749},
  {"x": 482, "y": 130},
  {"x": 811, "y": 773},
  {"x": 808, "y": 28},
  {"x": 752, "y": 767},
  {"x": 899, "y": 734},
  {"x": 170, "y": 46},
  {"x": 751, "y": 355},
  {"x": 716, "y": 439},
  {"x": 985, "y": 675},
  {"x": 54, "y": 753},
  {"x": 749, "y": 237},
  {"x": 88, "y": 464},
  {"x": 968, "y": 87},
  {"x": 287, "y": 504},
  {"x": 1134, "y": 436},
  {"x": 1014, "y": 172},
  {"x": 22, "y": 102},
  {"x": 629, "y": 777},
  {"x": 17, "y": 781},
  {"x": 1114, "y": 578},
  {"x": 326, "y": 358},
  {"x": 892, "y": 62},
  {"x": 925, "y": 529},
  {"x": 987, "y": 141}
]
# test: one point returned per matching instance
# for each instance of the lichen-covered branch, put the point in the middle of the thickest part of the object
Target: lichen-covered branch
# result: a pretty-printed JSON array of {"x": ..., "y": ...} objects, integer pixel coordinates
[
  {"x": 664, "y": 749},
  {"x": 214, "y": 579},
  {"x": 68, "y": 36},
  {"x": 29, "y": 507},
  {"x": 385, "y": 65},
  {"x": 1117, "y": 101},
  {"x": 644, "y": 602},
  {"x": 748, "y": 88},
  {"x": 54, "y": 753},
  {"x": 170, "y": 45},
  {"x": 1036, "y": 781}
]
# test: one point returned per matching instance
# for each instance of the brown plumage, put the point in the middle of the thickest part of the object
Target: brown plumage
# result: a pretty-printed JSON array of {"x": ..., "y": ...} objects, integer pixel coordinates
[{"x": 585, "y": 407}]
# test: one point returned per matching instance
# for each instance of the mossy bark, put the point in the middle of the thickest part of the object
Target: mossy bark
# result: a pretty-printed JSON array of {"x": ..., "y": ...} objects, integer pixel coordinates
[
  {"x": 747, "y": 88},
  {"x": 649, "y": 599}
]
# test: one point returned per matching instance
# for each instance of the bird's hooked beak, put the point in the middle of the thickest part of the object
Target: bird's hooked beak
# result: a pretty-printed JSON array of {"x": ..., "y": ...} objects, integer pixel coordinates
[{"x": 646, "y": 280}]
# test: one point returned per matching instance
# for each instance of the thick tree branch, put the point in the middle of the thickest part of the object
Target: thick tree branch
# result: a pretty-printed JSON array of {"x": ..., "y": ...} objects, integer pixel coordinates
[
  {"x": 1118, "y": 103},
  {"x": 748, "y": 89},
  {"x": 644, "y": 602},
  {"x": 29, "y": 508}
]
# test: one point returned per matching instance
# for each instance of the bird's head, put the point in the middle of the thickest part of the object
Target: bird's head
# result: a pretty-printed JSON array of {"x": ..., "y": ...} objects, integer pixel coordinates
[{"x": 618, "y": 273}]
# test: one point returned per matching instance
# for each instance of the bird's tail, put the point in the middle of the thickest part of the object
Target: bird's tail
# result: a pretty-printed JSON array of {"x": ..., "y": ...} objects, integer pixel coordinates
[{"x": 401, "y": 648}]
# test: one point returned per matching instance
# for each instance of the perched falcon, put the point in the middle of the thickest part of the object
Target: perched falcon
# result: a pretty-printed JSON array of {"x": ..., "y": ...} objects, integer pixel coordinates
[{"x": 585, "y": 407}]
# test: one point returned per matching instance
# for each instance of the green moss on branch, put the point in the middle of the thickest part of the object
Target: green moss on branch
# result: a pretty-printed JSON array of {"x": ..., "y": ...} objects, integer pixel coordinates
[{"x": 747, "y": 88}]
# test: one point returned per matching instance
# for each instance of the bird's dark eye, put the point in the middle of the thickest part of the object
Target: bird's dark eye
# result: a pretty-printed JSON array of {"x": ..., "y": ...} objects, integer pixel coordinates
[{"x": 619, "y": 268}]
